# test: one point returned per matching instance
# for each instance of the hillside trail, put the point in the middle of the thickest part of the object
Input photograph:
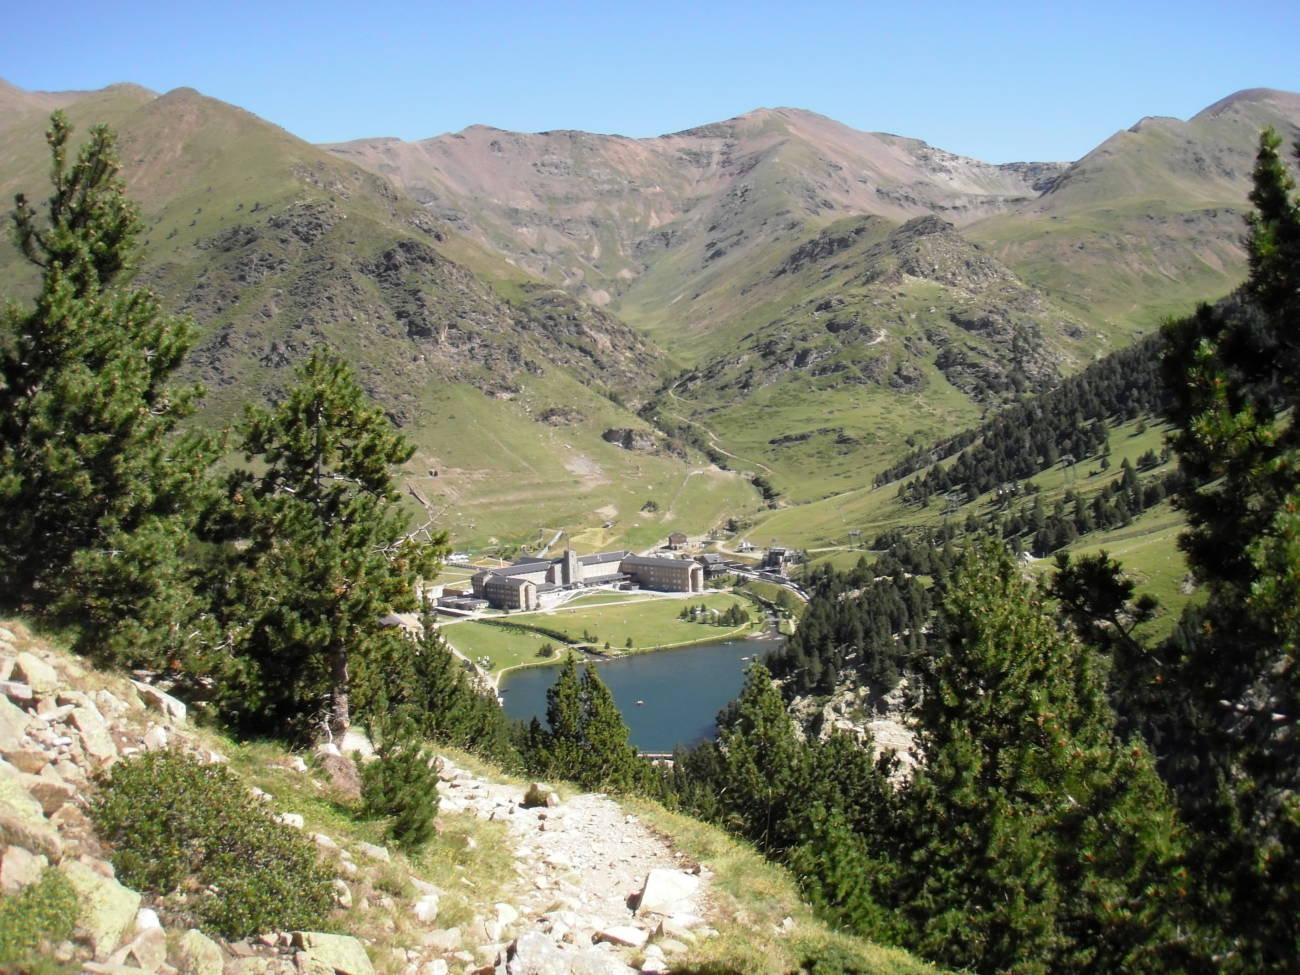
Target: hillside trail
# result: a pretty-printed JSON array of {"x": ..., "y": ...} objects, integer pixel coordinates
[{"x": 582, "y": 865}]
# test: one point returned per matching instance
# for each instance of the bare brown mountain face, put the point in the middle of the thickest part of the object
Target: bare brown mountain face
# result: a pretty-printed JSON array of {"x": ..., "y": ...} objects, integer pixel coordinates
[{"x": 644, "y": 222}]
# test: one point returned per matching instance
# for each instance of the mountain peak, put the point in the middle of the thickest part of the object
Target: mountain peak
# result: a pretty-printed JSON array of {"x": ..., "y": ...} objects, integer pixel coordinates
[{"x": 1248, "y": 96}]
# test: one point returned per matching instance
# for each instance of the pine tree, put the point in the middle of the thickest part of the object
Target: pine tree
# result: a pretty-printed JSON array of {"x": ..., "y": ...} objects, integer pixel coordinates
[
  {"x": 402, "y": 782},
  {"x": 1034, "y": 840},
  {"x": 97, "y": 491},
  {"x": 586, "y": 740},
  {"x": 1233, "y": 371},
  {"x": 318, "y": 551}
]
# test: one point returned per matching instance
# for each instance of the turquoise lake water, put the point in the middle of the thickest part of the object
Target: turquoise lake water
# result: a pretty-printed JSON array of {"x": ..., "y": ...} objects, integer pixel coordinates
[{"x": 682, "y": 690}]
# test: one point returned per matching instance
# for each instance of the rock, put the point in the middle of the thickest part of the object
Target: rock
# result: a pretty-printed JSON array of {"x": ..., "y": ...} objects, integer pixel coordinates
[
  {"x": 18, "y": 692},
  {"x": 435, "y": 967},
  {"x": 342, "y": 893},
  {"x": 31, "y": 834},
  {"x": 539, "y": 794},
  {"x": 291, "y": 819},
  {"x": 623, "y": 934},
  {"x": 107, "y": 909},
  {"x": 374, "y": 852},
  {"x": 13, "y": 726},
  {"x": 673, "y": 929},
  {"x": 155, "y": 739},
  {"x": 51, "y": 793},
  {"x": 147, "y": 951},
  {"x": 14, "y": 797},
  {"x": 95, "y": 739},
  {"x": 109, "y": 968},
  {"x": 159, "y": 701},
  {"x": 532, "y": 953},
  {"x": 296, "y": 764},
  {"x": 194, "y": 953},
  {"x": 30, "y": 760},
  {"x": 426, "y": 908},
  {"x": 324, "y": 842},
  {"x": 345, "y": 955},
  {"x": 19, "y": 867},
  {"x": 666, "y": 891},
  {"x": 146, "y": 919},
  {"x": 672, "y": 946},
  {"x": 506, "y": 915},
  {"x": 35, "y": 673}
]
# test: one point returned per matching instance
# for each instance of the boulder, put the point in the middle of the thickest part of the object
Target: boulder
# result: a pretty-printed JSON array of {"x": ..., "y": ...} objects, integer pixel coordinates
[
  {"x": 19, "y": 867},
  {"x": 30, "y": 760},
  {"x": 345, "y": 955},
  {"x": 426, "y": 908},
  {"x": 107, "y": 909},
  {"x": 194, "y": 953},
  {"x": 161, "y": 702},
  {"x": 155, "y": 739},
  {"x": 13, "y": 726},
  {"x": 623, "y": 934},
  {"x": 35, "y": 835},
  {"x": 36, "y": 674},
  {"x": 95, "y": 739},
  {"x": 667, "y": 891},
  {"x": 18, "y": 692}
]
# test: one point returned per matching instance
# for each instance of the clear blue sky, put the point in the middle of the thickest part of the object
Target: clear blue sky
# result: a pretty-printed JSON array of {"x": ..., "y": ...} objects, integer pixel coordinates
[{"x": 998, "y": 81}]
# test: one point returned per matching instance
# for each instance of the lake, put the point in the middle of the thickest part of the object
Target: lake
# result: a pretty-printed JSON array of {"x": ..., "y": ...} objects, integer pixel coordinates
[{"x": 683, "y": 690}]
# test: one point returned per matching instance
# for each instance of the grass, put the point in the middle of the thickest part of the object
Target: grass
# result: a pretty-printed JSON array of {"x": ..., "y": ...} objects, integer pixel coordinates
[
  {"x": 649, "y": 622},
  {"x": 753, "y": 898}
]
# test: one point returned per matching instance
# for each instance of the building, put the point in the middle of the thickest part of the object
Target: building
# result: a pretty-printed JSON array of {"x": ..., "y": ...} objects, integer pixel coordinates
[
  {"x": 529, "y": 582},
  {"x": 713, "y": 564},
  {"x": 677, "y": 540}
]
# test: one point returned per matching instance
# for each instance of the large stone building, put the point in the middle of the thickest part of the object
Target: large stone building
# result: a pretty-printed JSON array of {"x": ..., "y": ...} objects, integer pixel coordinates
[{"x": 529, "y": 582}]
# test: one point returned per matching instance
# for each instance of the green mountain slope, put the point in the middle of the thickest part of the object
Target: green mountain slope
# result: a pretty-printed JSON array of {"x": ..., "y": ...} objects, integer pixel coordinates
[
  {"x": 1149, "y": 221},
  {"x": 275, "y": 246}
]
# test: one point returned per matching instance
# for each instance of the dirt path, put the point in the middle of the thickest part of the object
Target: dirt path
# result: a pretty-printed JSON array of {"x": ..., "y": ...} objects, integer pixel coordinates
[{"x": 581, "y": 865}]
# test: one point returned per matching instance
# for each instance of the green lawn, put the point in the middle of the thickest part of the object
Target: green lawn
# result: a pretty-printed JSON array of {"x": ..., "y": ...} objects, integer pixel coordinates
[{"x": 648, "y": 622}]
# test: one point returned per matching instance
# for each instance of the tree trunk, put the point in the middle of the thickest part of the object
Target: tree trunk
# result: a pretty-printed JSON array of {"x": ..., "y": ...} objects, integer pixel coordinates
[{"x": 339, "y": 718}]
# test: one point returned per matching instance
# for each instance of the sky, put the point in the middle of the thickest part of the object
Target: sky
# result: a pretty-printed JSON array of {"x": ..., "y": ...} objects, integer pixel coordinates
[{"x": 1000, "y": 82}]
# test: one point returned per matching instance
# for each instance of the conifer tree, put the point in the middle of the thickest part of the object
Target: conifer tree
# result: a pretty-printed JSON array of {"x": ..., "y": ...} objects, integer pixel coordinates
[
  {"x": 1233, "y": 371},
  {"x": 318, "y": 551},
  {"x": 97, "y": 491},
  {"x": 1035, "y": 841},
  {"x": 586, "y": 740}
]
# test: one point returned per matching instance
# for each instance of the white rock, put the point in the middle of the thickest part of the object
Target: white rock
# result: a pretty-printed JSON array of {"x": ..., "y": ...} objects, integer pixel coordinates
[
  {"x": 147, "y": 918},
  {"x": 297, "y": 764},
  {"x": 155, "y": 739},
  {"x": 506, "y": 915},
  {"x": 666, "y": 891},
  {"x": 160, "y": 701},
  {"x": 291, "y": 819},
  {"x": 623, "y": 934},
  {"x": 374, "y": 852},
  {"x": 426, "y": 908},
  {"x": 36, "y": 673}
]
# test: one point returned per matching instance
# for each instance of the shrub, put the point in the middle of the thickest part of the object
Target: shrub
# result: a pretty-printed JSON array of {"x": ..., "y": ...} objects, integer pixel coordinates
[
  {"x": 401, "y": 782},
  {"x": 179, "y": 827},
  {"x": 34, "y": 920}
]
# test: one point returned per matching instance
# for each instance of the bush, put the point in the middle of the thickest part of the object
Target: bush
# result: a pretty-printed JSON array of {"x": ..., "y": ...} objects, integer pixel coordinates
[
  {"x": 34, "y": 920},
  {"x": 401, "y": 782},
  {"x": 178, "y": 827}
]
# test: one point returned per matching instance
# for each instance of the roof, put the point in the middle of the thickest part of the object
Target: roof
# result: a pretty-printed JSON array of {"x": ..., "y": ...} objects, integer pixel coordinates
[
  {"x": 653, "y": 560},
  {"x": 602, "y": 558},
  {"x": 709, "y": 558},
  {"x": 681, "y": 535},
  {"x": 530, "y": 560},
  {"x": 524, "y": 568}
]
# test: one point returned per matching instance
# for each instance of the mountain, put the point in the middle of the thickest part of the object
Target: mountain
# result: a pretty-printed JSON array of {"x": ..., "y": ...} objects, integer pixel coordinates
[
  {"x": 1151, "y": 220},
  {"x": 274, "y": 246},
  {"x": 800, "y": 299},
  {"x": 645, "y": 225}
]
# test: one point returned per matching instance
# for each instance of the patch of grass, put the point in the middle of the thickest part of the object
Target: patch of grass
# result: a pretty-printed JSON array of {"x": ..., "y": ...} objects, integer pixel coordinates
[
  {"x": 33, "y": 921},
  {"x": 753, "y": 897}
]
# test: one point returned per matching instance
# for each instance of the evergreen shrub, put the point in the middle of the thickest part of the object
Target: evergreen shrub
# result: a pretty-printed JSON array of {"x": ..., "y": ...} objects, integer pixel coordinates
[
  {"x": 177, "y": 827},
  {"x": 401, "y": 783}
]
